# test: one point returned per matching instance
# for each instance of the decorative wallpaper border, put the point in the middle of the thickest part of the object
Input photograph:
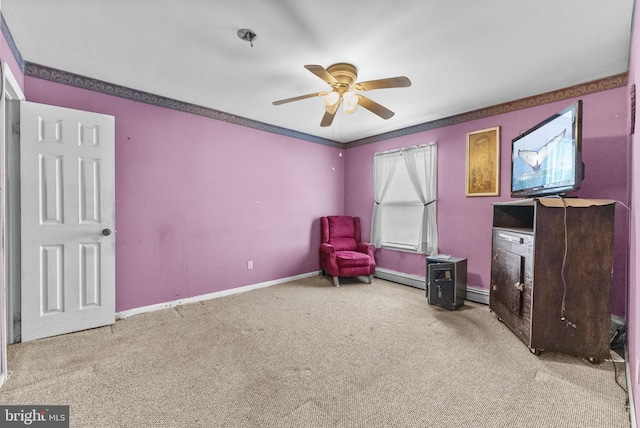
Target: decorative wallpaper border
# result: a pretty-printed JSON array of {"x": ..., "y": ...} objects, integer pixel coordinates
[
  {"x": 582, "y": 89},
  {"x": 78, "y": 81},
  {"x": 71, "y": 79}
]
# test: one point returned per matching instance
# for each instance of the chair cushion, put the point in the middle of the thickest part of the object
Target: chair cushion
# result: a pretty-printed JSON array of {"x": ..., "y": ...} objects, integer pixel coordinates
[
  {"x": 342, "y": 233},
  {"x": 344, "y": 244},
  {"x": 351, "y": 258},
  {"x": 341, "y": 227}
]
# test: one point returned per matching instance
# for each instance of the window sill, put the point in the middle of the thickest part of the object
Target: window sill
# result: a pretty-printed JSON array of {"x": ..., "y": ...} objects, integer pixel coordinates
[{"x": 401, "y": 249}]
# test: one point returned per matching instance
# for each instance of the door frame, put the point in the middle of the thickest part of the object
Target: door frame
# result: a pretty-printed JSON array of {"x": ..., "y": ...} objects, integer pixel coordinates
[{"x": 10, "y": 213}]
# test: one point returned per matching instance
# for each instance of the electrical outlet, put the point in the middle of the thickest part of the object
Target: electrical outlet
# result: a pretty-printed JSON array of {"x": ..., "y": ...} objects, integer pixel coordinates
[{"x": 250, "y": 264}]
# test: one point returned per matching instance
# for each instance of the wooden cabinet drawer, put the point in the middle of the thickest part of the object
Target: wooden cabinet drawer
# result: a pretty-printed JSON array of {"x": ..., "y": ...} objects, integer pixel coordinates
[{"x": 515, "y": 242}]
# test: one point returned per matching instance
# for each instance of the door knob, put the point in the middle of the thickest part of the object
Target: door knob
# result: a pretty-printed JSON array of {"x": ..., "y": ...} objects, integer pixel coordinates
[{"x": 106, "y": 232}]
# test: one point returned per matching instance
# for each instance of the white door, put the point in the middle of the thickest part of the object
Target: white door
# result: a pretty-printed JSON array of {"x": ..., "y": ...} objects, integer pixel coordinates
[{"x": 68, "y": 215}]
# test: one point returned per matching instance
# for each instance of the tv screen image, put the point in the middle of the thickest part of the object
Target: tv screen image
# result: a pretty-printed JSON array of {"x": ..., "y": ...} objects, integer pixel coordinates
[{"x": 547, "y": 158}]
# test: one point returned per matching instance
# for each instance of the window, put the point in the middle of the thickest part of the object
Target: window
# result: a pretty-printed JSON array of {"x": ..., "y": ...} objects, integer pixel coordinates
[{"x": 404, "y": 210}]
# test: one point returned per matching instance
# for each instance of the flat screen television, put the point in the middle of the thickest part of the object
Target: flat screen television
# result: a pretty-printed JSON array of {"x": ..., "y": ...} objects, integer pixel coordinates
[{"x": 547, "y": 159}]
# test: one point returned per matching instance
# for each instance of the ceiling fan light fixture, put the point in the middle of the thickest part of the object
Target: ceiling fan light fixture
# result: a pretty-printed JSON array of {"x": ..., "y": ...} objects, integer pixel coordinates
[
  {"x": 349, "y": 109},
  {"x": 350, "y": 102},
  {"x": 351, "y": 98},
  {"x": 331, "y": 98}
]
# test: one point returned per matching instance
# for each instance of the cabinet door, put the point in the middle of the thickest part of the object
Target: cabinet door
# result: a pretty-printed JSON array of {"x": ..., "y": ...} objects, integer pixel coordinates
[
  {"x": 511, "y": 281},
  {"x": 507, "y": 280}
]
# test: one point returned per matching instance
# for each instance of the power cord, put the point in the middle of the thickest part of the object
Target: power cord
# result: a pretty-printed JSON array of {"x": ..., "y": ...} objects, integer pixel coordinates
[
  {"x": 615, "y": 371},
  {"x": 615, "y": 377},
  {"x": 564, "y": 264}
]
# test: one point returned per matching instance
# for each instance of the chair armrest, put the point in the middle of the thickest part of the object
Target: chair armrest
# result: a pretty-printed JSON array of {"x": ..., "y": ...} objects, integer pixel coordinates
[
  {"x": 368, "y": 249},
  {"x": 328, "y": 260},
  {"x": 327, "y": 249},
  {"x": 365, "y": 247}
]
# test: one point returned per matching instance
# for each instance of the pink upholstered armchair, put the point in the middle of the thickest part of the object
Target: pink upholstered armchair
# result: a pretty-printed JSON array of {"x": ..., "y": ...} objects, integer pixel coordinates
[{"x": 341, "y": 251}]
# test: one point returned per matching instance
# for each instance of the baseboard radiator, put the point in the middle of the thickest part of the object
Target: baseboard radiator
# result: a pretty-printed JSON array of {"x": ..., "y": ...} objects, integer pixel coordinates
[{"x": 474, "y": 294}]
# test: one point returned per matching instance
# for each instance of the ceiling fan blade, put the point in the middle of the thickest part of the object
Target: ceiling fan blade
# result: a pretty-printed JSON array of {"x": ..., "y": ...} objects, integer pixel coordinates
[
  {"x": 327, "y": 119},
  {"x": 333, "y": 107},
  {"x": 391, "y": 82},
  {"x": 301, "y": 97},
  {"x": 329, "y": 114},
  {"x": 322, "y": 73},
  {"x": 374, "y": 107}
]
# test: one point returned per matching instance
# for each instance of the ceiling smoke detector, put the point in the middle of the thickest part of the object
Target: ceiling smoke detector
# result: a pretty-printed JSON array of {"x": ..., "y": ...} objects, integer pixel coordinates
[{"x": 247, "y": 35}]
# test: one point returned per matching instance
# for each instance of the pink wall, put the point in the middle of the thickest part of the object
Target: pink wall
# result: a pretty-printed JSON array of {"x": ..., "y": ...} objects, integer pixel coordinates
[
  {"x": 464, "y": 223},
  {"x": 633, "y": 317},
  {"x": 197, "y": 198}
]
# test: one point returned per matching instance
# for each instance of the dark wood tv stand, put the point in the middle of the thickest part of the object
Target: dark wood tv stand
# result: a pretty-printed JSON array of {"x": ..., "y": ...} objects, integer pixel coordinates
[{"x": 548, "y": 253}]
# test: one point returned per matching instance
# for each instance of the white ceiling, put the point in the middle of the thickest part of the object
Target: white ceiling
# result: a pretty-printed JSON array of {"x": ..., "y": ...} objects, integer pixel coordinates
[{"x": 460, "y": 55}]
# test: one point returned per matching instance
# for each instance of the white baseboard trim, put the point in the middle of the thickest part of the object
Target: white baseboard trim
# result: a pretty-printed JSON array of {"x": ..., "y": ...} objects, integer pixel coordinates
[
  {"x": 632, "y": 406},
  {"x": 174, "y": 303},
  {"x": 474, "y": 294}
]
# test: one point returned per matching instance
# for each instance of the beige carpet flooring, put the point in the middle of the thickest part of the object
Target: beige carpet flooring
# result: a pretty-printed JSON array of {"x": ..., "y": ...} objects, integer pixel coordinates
[{"x": 307, "y": 354}]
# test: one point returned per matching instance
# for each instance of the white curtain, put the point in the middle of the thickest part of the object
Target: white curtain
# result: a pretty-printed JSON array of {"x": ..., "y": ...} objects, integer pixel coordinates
[
  {"x": 405, "y": 181},
  {"x": 384, "y": 168}
]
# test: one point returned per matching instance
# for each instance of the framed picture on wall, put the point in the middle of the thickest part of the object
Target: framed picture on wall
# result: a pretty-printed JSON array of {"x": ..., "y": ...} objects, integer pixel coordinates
[{"x": 482, "y": 176}]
